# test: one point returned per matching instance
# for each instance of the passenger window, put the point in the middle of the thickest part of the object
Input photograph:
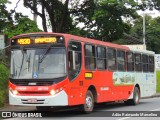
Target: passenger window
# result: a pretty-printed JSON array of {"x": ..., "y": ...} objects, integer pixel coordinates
[
  {"x": 151, "y": 63},
  {"x": 145, "y": 63},
  {"x": 138, "y": 65},
  {"x": 111, "y": 54},
  {"x": 101, "y": 58},
  {"x": 90, "y": 59},
  {"x": 130, "y": 61},
  {"x": 74, "y": 59},
  {"x": 121, "y": 60}
]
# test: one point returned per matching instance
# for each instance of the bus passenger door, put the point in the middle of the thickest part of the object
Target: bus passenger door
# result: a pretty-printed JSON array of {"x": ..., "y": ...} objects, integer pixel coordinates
[{"x": 74, "y": 68}]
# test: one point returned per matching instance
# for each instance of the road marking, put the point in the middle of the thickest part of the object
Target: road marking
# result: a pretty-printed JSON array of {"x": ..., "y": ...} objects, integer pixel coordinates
[
  {"x": 158, "y": 109},
  {"x": 123, "y": 118}
]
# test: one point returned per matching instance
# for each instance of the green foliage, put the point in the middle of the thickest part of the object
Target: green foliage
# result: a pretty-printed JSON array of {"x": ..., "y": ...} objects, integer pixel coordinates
[
  {"x": 79, "y": 32},
  {"x": 149, "y": 4},
  {"x": 158, "y": 81},
  {"x": 23, "y": 25},
  {"x": 104, "y": 18},
  {"x": 12, "y": 23},
  {"x": 54, "y": 13},
  {"x": 5, "y": 16},
  {"x": 2, "y": 98},
  {"x": 4, "y": 75},
  {"x": 152, "y": 34}
]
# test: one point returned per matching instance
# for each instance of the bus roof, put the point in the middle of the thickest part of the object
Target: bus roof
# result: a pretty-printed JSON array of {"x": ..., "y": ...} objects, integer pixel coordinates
[
  {"x": 142, "y": 51},
  {"x": 88, "y": 40},
  {"x": 78, "y": 38}
]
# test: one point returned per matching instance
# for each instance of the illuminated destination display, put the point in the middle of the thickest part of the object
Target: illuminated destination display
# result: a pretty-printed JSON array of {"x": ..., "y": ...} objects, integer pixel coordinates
[
  {"x": 37, "y": 40},
  {"x": 45, "y": 40},
  {"x": 24, "y": 41}
]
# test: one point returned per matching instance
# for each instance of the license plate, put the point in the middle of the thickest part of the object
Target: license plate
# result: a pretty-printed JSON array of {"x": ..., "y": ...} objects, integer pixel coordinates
[{"x": 33, "y": 100}]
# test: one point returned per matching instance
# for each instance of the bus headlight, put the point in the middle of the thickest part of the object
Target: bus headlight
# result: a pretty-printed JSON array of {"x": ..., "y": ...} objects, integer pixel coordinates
[
  {"x": 52, "y": 92},
  {"x": 14, "y": 92}
]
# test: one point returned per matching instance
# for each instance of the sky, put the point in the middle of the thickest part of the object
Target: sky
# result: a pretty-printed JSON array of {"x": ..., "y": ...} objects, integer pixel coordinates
[
  {"x": 24, "y": 11},
  {"x": 27, "y": 12}
]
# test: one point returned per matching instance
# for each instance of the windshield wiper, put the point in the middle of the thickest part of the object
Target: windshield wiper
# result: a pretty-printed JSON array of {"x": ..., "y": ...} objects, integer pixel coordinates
[
  {"x": 28, "y": 60},
  {"x": 21, "y": 66},
  {"x": 45, "y": 52},
  {"x": 26, "y": 57}
]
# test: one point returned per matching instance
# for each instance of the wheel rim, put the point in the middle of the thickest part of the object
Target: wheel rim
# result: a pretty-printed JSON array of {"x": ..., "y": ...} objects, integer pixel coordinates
[
  {"x": 89, "y": 102},
  {"x": 136, "y": 97}
]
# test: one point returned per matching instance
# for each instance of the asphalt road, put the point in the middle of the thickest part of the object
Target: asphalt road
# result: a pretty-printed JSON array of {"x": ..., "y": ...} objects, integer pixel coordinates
[{"x": 148, "y": 109}]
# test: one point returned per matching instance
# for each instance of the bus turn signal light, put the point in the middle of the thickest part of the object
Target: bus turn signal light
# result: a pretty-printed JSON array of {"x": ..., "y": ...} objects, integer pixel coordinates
[{"x": 14, "y": 92}]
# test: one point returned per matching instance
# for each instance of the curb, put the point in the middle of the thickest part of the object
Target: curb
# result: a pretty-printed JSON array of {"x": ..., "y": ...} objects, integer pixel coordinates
[
  {"x": 156, "y": 95},
  {"x": 153, "y": 96}
]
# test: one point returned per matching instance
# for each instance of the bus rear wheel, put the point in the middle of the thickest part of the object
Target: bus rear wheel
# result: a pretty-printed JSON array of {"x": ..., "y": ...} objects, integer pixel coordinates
[
  {"x": 88, "y": 106},
  {"x": 136, "y": 97}
]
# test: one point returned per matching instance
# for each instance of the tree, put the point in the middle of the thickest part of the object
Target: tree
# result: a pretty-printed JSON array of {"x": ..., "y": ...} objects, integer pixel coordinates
[
  {"x": 101, "y": 18},
  {"x": 149, "y": 4},
  {"x": 104, "y": 19},
  {"x": 5, "y": 16},
  {"x": 12, "y": 23},
  {"x": 152, "y": 33},
  {"x": 22, "y": 24},
  {"x": 59, "y": 18}
]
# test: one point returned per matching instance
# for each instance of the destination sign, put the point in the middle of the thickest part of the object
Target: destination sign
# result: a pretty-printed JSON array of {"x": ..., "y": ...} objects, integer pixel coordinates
[
  {"x": 37, "y": 40},
  {"x": 24, "y": 41},
  {"x": 45, "y": 40}
]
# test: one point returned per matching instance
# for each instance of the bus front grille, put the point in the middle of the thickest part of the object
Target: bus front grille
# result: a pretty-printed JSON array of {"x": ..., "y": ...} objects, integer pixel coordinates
[{"x": 35, "y": 83}]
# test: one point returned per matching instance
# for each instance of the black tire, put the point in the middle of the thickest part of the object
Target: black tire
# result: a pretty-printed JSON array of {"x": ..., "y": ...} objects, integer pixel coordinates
[
  {"x": 43, "y": 108},
  {"x": 89, "y": 103},
  {"x": 136, "y": 98}
]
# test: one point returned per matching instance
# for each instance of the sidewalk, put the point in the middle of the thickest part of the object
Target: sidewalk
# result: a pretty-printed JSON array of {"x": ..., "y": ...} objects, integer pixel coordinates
[
  {"x": 156, "y": 95},
  {"x": 26, "y": 108}
]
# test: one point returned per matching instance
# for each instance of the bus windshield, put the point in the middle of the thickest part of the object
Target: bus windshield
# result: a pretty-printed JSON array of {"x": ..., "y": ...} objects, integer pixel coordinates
[{"x": 38, "y": 63}]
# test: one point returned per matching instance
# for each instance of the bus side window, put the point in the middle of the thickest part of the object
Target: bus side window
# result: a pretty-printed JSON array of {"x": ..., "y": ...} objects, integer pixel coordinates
[
  {"x": 130, "y": 61},
  {"x": 90, "y": 59},
  {"x": 151, "y": 63},
  {"x": 138, "y": 64},
  {"x": 74, "y": 59},
  {"x": 145, "y": 63},
  {"x": 111, "y": 55},
  {"x": 121, "y": 60},
  {"x": 101, "y": 58}
]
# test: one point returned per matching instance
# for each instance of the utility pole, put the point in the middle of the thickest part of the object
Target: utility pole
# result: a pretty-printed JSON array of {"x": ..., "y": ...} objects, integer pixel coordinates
[{"x": 144, "y": 31}]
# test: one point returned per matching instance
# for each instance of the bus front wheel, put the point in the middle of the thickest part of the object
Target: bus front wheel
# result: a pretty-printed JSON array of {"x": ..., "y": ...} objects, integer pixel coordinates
[{"x": 88, "y": 106}]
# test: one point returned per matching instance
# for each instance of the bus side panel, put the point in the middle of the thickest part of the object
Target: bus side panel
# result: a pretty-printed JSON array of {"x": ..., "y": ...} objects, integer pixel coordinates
[
  {"x": 109, "y": 90},
  {"x": 77, "y": 90}
]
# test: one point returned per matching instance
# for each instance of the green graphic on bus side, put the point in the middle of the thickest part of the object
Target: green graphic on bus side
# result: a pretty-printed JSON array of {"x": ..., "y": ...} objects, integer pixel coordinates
[{"x": 121, "y": 78}]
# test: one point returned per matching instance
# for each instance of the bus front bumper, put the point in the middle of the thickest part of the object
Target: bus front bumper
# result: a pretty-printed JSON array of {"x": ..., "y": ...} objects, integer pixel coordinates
[{"x": 59, "y": 99}]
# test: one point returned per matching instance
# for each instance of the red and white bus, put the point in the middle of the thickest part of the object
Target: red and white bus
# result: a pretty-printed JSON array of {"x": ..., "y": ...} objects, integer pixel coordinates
[{"x": 53, "y": 69}]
